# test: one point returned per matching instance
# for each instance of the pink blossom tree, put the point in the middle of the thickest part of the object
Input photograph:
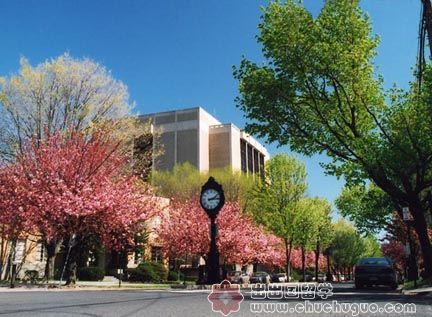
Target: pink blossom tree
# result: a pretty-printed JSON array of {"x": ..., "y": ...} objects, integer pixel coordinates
[
  {"x": 13, "y": 219},
  {"x": 184, "y": 230},
  {"x": 77, "y": 186},
  {"x": 296, "y": 260},
  {"x": 395, "y": 250}
]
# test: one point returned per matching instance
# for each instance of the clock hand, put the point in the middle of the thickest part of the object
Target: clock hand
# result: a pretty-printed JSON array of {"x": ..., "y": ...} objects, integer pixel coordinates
[{"x": 213, "y": 198}]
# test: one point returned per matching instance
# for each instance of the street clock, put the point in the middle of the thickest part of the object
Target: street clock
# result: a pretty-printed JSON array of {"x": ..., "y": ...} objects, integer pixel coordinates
[
  {"x": 212, "y": 197},
  {"x": 212, "y": 200}
]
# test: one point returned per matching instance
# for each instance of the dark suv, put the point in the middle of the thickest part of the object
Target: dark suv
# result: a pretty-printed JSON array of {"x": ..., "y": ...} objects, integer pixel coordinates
[{"x": 375, "y": 271}]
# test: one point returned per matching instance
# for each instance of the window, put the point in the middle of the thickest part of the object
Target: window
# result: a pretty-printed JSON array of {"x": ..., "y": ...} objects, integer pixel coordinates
[
  {"x": 41, "y": 251},
  {"x": 156, "y": 254},
  {"x": 261, "y": 164},
  {"x": 137, "y": 256},
  {"x": 256, "y": 162},
  {"x": 20, "y": 250},
  {"x": 250, "y": 158},
  {"x": 243, "y": 155},
  {"x": 139, "y": 248}
]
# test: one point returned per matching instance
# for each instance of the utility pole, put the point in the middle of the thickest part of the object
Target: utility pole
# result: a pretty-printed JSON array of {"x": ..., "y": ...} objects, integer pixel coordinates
[
  {"x": 427, "y": 20},
  {"x": 425, "y": 28}
]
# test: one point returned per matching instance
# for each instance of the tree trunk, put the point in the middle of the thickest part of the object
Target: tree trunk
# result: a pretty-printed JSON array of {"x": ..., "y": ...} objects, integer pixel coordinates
[
  {"x": 52, "y": 249},
  {"x": 317, "y": 253},
  {"x": 49, "y": 268},
  {"x": 72, "y": 268},
  {"x": 421, "y": 229},
  {"x": 303, "y": 263},
  {"x": 12, "y": 266},
  {"x": 72, "y": 277},
  {"x": 3, "y": 249},
  {"x": 75, "y": 250},
  {"x": 338, "y": 272},
  {"x": 288, "y": 249}
]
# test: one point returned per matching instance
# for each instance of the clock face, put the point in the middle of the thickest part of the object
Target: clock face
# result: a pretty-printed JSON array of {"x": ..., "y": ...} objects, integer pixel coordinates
[{"x": 210, "y": 199}]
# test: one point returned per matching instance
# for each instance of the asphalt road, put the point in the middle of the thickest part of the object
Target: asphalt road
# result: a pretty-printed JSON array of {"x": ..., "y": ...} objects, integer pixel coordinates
[{"x": 182, "y": 303}]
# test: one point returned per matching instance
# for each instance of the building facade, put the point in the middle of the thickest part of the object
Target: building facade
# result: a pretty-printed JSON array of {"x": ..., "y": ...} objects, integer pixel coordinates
[{"x": 195, "y": 136}]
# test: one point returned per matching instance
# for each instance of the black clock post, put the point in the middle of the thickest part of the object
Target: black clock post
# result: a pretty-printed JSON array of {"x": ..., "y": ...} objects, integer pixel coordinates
[{"x": 212, "y": 200}]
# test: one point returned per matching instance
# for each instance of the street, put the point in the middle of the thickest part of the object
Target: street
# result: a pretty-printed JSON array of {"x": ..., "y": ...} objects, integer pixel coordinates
[{"x": 176, "y": 303}]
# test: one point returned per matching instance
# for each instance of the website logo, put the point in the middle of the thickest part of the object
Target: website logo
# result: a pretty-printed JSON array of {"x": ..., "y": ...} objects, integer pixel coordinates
[{"x": 225, "y": 298}]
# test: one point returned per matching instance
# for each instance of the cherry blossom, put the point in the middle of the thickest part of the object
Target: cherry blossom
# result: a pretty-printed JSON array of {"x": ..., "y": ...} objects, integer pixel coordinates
[{"x": 184, "y": 230}]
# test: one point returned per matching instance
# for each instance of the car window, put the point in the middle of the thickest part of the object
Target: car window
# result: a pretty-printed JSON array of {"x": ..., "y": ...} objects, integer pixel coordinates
[{"x": 374, "y": 262}]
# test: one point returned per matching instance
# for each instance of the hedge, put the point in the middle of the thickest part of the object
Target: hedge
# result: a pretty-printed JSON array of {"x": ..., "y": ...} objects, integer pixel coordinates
[
  {"x": 148, "y": 272},
  {"x": 91, "y": 273}
]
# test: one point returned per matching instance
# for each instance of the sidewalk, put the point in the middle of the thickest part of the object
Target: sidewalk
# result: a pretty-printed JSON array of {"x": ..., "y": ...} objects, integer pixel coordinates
[
  {"x": 418, "y": 291},
  {"x": 83, "y": 285},
  {"x": 111, "y": 283}
]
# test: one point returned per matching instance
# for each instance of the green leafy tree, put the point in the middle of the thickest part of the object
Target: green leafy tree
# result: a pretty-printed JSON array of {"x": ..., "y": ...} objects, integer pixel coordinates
[
  {"x": 236, "y": 184},
  {"x": 275, "y": 202},
  {"x": 324, "y": 230},
  {"x": 372, "y": 247},
  {"x": 185, "y": 181},
  {"x": 306, "y": 228},
  {"x": 62, "y": 94},
  {"x": 319, "y": 93},
  {"x": 181, "y": 183},
  {"x": 368, "y": 207},
  {"x": 348, "y": 246}
]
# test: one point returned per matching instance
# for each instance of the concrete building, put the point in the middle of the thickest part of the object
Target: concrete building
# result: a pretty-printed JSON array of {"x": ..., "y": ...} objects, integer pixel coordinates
[{"x": 195, "y": 136}]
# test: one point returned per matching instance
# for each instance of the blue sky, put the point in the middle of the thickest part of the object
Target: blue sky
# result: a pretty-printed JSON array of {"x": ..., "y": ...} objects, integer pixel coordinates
[{"x": 179, "y": 53}]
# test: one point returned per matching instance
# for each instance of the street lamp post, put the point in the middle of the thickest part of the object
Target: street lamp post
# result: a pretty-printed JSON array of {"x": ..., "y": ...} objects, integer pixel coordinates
[{"x": 212, "y": 200}]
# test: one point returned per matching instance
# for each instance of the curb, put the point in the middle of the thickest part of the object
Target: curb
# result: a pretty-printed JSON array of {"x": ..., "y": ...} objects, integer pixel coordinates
[
  {"x": 48, "y": 288},
  {"x": 416, "y": 292}
]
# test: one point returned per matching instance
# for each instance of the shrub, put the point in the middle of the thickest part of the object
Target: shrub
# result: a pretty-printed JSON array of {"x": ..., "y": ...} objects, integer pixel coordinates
[
  {"x": 140, "y": 275},
  {"x": 148, "y": 272},
  {"x": 295, "y": 276},
  {"x": 175, "y": 276},
  {"x": 91, "y": 273},
  {"x": 160, "y": 270},
  {"x": 31, "y": 276}
]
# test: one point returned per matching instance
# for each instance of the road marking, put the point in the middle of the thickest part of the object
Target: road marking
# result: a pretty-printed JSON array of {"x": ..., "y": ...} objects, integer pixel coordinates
[{"x": 204, "y": 291}]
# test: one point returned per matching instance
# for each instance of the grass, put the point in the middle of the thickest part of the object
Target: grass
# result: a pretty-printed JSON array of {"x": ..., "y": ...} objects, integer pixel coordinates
[
  {"x": 125, "y": 285},
  {"x": 408, "y": 285},
  {"x": 130, "y": 285}
]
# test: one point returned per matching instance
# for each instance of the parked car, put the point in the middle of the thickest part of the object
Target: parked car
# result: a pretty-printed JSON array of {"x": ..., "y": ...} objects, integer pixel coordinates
[
  {"x": 282, "y": 277},
  {"x": 260, "y": 277},
  {"x": 321, "y": 278},
  {"x": 375, "y": 271},
  {"x": 279, "y": 278},
  {"x": 238, "y": 277},
  {"x": 309, "y": 278},
  {"x": 274, "y": 278}
]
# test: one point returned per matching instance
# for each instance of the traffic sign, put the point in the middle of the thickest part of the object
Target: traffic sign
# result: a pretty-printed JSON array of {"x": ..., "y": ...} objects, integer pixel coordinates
[{"x": 406, "y": 215}]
